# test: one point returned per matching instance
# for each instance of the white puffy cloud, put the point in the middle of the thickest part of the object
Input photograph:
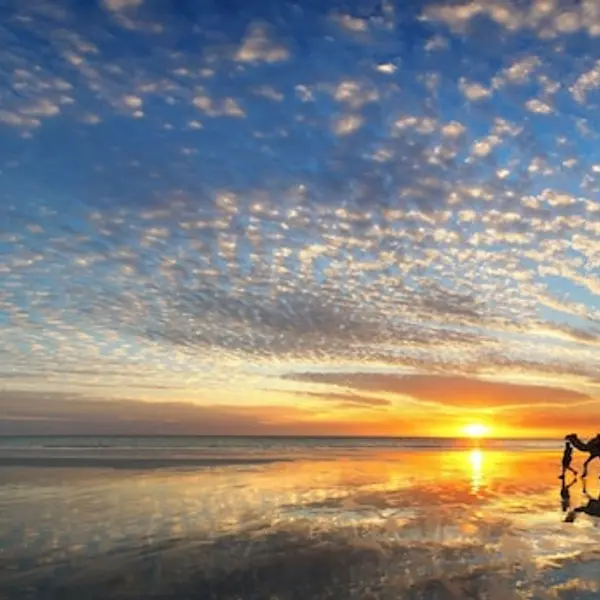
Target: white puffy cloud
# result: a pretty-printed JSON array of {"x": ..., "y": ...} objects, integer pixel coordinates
[
  {"x": 350, "y": 23},
  {"x": 387, "y": 68},
  {"x": 483, "y": 147},
  {"x": 453, "y": 129},
  {"x": 132, "y": 101},
  {"x": 354, "y": 94},
  {"x": 586, "y": 82},
  {"x": 258, "y": 47},
  {"x": 347, "y": 124},
  {"x": 521, "y": 70},
  {"x": 547, "y": 18},
  {"x": 474, "y": 91},
  {"x": 537, "y": 106}
]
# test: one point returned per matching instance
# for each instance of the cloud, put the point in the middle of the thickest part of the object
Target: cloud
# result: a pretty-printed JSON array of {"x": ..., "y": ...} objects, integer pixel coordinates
[
  {"x": 521, "y": 70},
  {"x": 448, "y": 390},
  {"x": 537, "y": 106},
  {"x": 29, "y": 413},
  {"x": 347, "y": 125},
  {"x": 258, "y": 47},
  {"x": 555, "y": 421},
  {"x": 120, "y": 5},
  {"x": 63, "y": 413},
  {"x": 132, "y": 101},
  {"x": 387, "y": 68},
  {"x": 308, "y": 322},
  {"x": 353, "y": 24},
  {"x": 41, "y": 108},
  {"x": 347, "y": 399},
  {"x": 17, "y": 120},
  {"x": 586, "y": 82},
  {"x": 211, "y": 107},
  {"x": 482, "y": 148},
  {"x": 568, "y": 333},
  {"x": 546, "y": 19},
  {"x": 474, "y": 91},
  {"x": 453, "y": 129}
]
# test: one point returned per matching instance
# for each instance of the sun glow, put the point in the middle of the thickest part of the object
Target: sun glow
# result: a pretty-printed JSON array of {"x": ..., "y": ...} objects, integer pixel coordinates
[{"x": 475, "y": 430}]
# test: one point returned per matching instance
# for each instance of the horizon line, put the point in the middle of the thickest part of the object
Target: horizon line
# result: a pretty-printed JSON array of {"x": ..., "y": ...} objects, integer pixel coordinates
[{"x": 278, "y": 436}]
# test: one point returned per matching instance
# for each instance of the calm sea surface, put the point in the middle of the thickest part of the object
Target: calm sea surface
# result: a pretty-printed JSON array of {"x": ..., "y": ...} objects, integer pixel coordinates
[
  {"x": 260, "y": 443},
  {"x": 297, "y": 518}
]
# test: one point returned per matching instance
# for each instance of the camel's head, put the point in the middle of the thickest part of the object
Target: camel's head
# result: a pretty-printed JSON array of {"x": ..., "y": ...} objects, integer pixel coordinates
[{"x": 571, "y": 436}]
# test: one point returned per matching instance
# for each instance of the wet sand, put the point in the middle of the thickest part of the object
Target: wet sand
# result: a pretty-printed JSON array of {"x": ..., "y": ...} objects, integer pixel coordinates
[
  {"x": 128, "y": 463},
  {"x": 416, "y": 525}
]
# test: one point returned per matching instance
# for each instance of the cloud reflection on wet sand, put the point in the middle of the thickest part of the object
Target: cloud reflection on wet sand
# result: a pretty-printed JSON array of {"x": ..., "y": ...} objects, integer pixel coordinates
[{"x": 427, "y": 524}]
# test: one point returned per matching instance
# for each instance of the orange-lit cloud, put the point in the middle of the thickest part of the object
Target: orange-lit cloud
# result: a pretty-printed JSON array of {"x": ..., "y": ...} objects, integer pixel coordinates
[
  {"x": 554, "y": 422},
  {"x": 36, "y": 413},
  {"x": 56, "y": 413},
  {"x": 347, "y": 399},
  {"x": 447, "y": 390}
]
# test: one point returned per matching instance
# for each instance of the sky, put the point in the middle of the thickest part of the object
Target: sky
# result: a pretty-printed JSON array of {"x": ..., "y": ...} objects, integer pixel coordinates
[{"x": 299, "y": 218}]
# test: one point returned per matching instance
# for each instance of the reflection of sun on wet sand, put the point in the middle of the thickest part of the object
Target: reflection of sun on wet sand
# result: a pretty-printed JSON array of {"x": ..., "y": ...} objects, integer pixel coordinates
[{"x": 476, "y": 458}]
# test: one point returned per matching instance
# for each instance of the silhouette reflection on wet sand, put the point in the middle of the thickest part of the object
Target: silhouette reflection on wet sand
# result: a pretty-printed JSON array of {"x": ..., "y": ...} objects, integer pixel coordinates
[
  {"x": 591, "y": 507},
  {"x": 565, "y": 494}
]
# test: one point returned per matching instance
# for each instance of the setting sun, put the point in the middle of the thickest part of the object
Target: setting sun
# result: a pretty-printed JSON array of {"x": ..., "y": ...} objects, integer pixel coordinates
[{"x": 475, "y": 430}]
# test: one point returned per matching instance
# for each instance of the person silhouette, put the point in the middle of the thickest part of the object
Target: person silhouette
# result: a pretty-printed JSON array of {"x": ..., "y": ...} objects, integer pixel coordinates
[{"x": 566, "y": 461}]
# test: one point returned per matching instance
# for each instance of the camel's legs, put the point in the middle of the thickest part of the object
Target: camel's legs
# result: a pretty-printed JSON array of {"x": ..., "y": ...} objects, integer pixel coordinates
[{"x": 585, "y": 465}]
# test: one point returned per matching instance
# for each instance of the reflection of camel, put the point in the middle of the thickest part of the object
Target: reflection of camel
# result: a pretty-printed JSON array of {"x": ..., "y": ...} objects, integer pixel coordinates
[
  {"x": 592, "y": 447},
  {"x": 592, "y": 507}
]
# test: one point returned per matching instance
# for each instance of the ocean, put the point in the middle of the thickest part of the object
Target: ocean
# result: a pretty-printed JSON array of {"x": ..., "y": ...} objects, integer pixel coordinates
[{"x": 293, "y": 518}]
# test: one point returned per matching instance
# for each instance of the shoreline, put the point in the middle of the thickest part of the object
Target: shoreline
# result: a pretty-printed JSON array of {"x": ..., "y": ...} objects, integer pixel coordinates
[{"x": 131, "y": 463}]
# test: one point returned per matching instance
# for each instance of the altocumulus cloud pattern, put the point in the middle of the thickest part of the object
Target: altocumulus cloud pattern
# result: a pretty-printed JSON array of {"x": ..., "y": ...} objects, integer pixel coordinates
[{"x": 298, "y": 216}]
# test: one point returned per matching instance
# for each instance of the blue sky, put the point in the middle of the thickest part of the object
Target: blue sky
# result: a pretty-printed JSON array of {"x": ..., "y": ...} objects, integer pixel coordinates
[{"x": 209, "y": 211}]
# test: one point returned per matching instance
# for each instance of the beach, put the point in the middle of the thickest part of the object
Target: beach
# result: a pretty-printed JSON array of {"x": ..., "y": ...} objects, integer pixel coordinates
[
  {"x": 299, "y": 300},
  {"x": 379, "y": 522}
]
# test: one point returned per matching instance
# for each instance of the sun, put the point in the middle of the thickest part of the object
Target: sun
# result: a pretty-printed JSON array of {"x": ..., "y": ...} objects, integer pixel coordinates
[{"x": 475, "y": 430}]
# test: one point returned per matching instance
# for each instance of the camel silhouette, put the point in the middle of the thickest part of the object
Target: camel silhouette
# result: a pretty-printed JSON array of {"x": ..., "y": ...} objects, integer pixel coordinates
[{"x": 592, "y": 448}]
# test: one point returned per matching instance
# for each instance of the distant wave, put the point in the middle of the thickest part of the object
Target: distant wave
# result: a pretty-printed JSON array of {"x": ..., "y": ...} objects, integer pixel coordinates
[{"x": 260, "y": 444}]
